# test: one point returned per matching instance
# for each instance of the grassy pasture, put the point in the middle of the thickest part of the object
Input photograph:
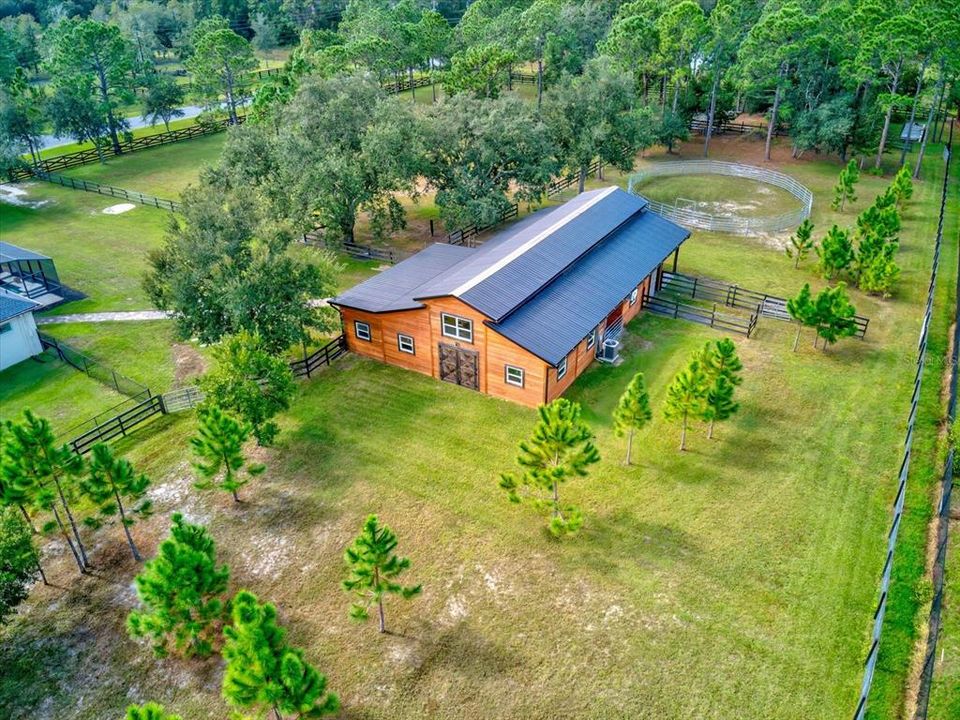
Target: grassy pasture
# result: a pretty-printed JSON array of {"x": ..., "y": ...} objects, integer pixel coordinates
[{"x": 735, "y": 580}]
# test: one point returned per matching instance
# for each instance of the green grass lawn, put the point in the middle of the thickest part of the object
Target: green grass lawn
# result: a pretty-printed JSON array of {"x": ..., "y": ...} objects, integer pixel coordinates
[
  {"x": 735, "y": 580},
  {"x": 102, "y": 256},
  {"x": 55, "y": 390},
  {"x": 720, "y": 195},
  {"x": 162, "y": 171}
]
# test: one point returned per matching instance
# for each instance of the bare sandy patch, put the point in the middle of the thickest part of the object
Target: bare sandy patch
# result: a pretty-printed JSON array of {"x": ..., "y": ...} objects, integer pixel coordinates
[
  {"x": 118, "y": 209},
  {"x": 17, "y": 195}
]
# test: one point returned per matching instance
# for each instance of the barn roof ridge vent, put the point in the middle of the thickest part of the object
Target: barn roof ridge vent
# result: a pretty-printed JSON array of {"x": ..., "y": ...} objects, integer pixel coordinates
[{"x": 532, "y": 242}]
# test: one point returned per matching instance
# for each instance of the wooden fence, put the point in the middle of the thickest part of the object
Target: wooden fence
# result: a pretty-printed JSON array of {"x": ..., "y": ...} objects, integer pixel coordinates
[
  {"x": 118, "y": 425},
  {"x": 703, "y": 316},
  {"x": 324, "y": 356},
  {"x": 86, "y": 157},
  {"x": 101, "y": 189},
  {"x": 731, "y": 295}
]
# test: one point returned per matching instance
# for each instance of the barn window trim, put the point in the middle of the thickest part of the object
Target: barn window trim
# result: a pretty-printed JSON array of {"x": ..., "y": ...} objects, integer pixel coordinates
[
  {"x": 517, "y": 373},
  {"x": 362, "y": 331},
  {"x": 456, "y": 327},
  {"x": 591, "y": 339},
  {"x": 5, "y": 327},
  {"x": 561, "y": 369},
  {"x": 411, "y": 348},
  {"x": 633, "y": 296}
]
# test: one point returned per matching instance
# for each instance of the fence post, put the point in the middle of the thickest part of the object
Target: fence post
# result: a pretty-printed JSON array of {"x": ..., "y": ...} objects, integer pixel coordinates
[
  {"x": 693, "y": 292},
  {"x": 115, "y": 382}
]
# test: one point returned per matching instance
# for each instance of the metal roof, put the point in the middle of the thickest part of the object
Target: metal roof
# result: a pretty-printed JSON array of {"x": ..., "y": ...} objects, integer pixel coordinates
[
  {"x": 558, "y": 317},
  {"x": 395, "y": 288},
  {"x": 12, "y": 305},
  {"x": 516, "y": 263},
  {"x": 12, "y": 253}
]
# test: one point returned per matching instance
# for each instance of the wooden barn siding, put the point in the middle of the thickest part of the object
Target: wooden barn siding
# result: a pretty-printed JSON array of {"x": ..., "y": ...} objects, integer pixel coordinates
[
  {"x": 580, "y": 358},
  {"x": 495, "y": 352}
]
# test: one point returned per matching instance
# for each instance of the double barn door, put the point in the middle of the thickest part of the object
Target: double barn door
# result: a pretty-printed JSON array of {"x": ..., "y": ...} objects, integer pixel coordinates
[{"x": 459, "y": 366}]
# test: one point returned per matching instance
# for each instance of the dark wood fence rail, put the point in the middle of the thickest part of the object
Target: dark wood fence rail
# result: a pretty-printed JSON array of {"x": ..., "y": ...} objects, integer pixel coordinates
[
  {"x": 101, "y": 189},
  {"x": 731, "y": 295},
  {"x": 704, "y": 316}
]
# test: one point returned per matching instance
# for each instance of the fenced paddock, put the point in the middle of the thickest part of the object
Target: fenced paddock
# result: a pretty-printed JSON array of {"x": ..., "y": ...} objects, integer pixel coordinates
[
  {"x": 704, "y": 316},
  {"x": 731, "y": 295},
  {"x": 735, "y": 224}
]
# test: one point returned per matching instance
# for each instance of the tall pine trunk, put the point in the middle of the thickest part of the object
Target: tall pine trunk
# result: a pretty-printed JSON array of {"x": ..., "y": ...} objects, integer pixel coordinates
[
  {"x": 73, "y": 523},
  {"x": 539, "y": 82},
  {"x": 886, "y": 118},
  {"x": 938, "y": 96},
  {"x": 126, "y": 528},
  {"x": 713, "y": 110},
  {"x": 28, "y": 520},
  {"x": 683, "y": 434},
  {"x": 913, "y": 114},
  {"x": 710, "y": 429},
  {"x": 629, "y": 446},
  {"x": 773, "y": 112},
  {"x": 66, "y": 537},
  {"x": 796, "y": 340}
]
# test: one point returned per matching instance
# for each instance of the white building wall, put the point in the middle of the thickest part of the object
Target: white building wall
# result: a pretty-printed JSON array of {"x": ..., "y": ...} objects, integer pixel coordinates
[{"x": 20, "y": 341}]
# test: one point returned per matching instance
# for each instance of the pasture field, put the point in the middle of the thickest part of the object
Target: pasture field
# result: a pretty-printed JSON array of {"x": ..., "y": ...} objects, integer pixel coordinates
[{"x": 734, "y": 580}]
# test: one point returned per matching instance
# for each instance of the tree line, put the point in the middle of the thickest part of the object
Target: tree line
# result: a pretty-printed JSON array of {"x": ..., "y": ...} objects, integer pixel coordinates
[{"x": 832, "y": 72}]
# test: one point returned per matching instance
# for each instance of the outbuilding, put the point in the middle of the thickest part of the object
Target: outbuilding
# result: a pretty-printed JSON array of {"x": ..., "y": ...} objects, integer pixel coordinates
[
  {"x": 522, "y": 315},
  {"x": 18, "y": 330}
]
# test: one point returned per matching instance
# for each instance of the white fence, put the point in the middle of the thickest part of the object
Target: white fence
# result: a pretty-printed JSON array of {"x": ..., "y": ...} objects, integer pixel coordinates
[{"x": 730, "y": 223}]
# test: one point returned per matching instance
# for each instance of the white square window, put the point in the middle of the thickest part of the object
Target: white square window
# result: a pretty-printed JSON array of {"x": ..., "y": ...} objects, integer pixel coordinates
[
  {"x": 405, "y": 344},
  {"x": 361, "y": 330},
  {"x": 591, "y": 339},
  {"x": 513, "y": 376},
  {"x": 562, "y": 369},
  {"x": 5, "y": 328},
  {"x": 456, "y": 327},
  {"x": 633, "y": 296}
]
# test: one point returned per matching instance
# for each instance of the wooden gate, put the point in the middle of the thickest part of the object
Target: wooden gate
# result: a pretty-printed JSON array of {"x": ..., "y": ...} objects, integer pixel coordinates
[{"x": 459, "y": 366}]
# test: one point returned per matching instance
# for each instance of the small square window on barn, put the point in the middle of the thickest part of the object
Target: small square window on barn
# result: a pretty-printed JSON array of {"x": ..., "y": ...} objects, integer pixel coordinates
[
  {"x": 456, "y": 327},
  {"x": 5, "y": 328},
  {"x": 405, "y": 344},
  {"x": 513, "y": 375},
  {"x": 361, "y": 330},
  {"x": 562, "y": 369},
  {"x": 633, "y": 296},
  {"x": 591, "y": 339}
]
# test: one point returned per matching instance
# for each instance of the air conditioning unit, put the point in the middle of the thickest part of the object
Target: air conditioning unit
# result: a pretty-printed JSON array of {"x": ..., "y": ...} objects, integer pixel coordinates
[{"x": 607, "y": 352}]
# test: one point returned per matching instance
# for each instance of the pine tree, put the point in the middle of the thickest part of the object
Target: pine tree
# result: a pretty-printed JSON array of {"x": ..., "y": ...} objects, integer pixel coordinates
[
  {"x": 182, "y": 589},
  {"x": 902, "y": 185},
  {"x": 373, "y": 568},
  {"x": 719, "y": 404},
  {"x": 803, "y": 312},
  {"x": 686, "y": 397},
  {"x": 262, "y": 671},
  {"x": 845, "y": 189},
  {"x": 560, "y": 448},
  {"x": 880, "y": 275},
  {"x": 835, "y": 314},
  {"x": 109, "y": 480},
  {"x": 632, "y": 412},
  {"x": 801, "y": 243},
  {"x": 835, "y": 252},
  {"x": 18, "y": 562},
  {"x": 218, "y": 446},
  {"x": 150, "y": 711},
  {"x": 722, "y": 367},
  {"x": 44, "y": 475},
  {"x": 10, "y": 498}
]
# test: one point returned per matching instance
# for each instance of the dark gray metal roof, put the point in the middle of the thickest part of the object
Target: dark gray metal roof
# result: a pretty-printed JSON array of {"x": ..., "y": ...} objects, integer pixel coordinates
[
  {"x": 11, "y": 253},
  {"x": 514, "y": 264},
  {"x": 558, "y": 317},
  {"x": 12, "y": 305},
  {"x": 395, "y": 288}
]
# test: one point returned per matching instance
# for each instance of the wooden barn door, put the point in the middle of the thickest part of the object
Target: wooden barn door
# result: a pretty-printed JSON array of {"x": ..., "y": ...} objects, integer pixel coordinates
[{"x": 459, "y": 366}]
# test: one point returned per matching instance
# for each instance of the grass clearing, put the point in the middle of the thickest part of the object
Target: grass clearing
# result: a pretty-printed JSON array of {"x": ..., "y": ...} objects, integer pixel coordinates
[
  {"x": 163, "y": 171},
  {"x": 720, "y": 195},
  {"x": 735, "y": 580}
]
